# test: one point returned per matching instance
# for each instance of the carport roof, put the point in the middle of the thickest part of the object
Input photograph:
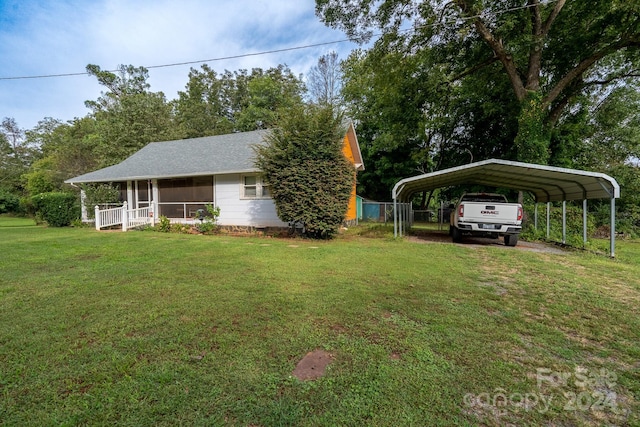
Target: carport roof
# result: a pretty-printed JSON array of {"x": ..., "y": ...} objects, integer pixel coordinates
[{"x": 546, "y": 183}]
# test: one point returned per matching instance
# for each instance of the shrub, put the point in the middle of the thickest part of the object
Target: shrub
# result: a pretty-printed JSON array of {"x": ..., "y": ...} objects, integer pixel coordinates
[
  {"x": 57, "y": 209},
  {"x": 209, "y": 222},
  {"x": 9, "y": 203},
  {"x": 164, "y": 225},
  {"x": 309, "y": 176}
]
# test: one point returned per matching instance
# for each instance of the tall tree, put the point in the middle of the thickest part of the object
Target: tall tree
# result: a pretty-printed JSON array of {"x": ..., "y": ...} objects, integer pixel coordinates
[
  {"x": 16, "y": 155},
  {"x": 550, "y": 52},
  {"x": 68, "y": 150},
  {"x": 128, "y": 114},
  {"x": 235, "y": 101},
  {"x": 13, "y": 133},
  {"x": 391, "y": 123},
  {"x": 324, "y": 81},
  {"x": 206, "y": 107},
  {"x": 269, "y": 95}
]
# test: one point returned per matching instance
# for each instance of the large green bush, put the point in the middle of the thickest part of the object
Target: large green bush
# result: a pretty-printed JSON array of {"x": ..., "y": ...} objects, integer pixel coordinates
[
  {"x": 57, "y": 209},
  {"x": 310, "y": 178}
]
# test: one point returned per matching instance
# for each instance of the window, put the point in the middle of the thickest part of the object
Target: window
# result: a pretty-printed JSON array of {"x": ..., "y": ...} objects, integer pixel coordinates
[
  {"x": 182, "y": 197},
  {"x": 254, "y": 188},
  {"x": 192, "y": 189}
]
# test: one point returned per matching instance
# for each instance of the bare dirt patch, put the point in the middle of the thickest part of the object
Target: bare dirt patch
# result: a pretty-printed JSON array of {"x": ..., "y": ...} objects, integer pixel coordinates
[
  {"x": 313, "y": 365},
  {"x": 437, "y": 236}
]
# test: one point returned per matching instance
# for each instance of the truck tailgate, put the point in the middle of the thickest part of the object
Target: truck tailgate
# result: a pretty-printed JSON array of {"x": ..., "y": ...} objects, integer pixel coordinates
[{"x": 496, "y": 213}]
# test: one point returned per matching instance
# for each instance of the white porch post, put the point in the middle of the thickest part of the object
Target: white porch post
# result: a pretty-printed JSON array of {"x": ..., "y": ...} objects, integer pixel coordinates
[
  {"x": 125, "y": 216},
  {"x": 130, "y": 195},
  {"x": 154, "y": 203},
  {"x": 97, "y": 216},
  {"x": 83, "y": 209}
]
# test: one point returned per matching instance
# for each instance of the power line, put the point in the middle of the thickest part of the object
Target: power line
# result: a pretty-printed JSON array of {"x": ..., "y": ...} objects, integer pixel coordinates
[
  {"x": 175, "y": 64},
  {"x": 267, "y": 52}
]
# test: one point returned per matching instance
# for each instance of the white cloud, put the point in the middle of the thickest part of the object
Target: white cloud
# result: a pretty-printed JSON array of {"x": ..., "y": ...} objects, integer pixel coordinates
[{"x": 61, "y": 37}]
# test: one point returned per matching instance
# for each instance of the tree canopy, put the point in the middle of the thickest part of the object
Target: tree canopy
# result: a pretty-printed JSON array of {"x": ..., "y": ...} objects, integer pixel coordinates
[
  {"x": 214, "y": 104},
  {"x": 128, "y": 115},
  {"x": 448, "y": 81}
]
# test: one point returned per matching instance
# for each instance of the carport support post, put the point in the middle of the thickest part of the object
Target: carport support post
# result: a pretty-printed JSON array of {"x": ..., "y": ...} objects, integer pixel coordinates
[
  {"x": 400, "y": 218},
  {"x": 535, "y": 216},
  {"x": 403, "y": 219},
  {"x": 395, "y": 218},
  {"x": 548, "y": 218},
  {"x": 584, "y": 222},
  {"x": 403, "y": 223},
  {"x": 564, "y": 222},
  {"x": 613, "y": 227}
]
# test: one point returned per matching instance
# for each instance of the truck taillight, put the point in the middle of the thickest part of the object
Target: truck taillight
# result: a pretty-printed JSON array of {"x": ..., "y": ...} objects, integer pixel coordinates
[
  {"x": 461, "y": 211},
  {"x": 519, "y": 214}
]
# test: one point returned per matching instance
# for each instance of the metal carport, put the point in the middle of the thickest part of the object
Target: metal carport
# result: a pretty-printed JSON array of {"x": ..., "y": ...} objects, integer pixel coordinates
[{"x": 546, "y": 183}]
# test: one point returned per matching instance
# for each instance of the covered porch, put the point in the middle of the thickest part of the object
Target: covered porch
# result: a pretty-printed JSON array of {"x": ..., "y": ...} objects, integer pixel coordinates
[{"x": 178, "y": 199}]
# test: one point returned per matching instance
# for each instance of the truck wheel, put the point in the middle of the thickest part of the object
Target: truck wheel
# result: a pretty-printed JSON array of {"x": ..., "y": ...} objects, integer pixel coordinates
[
  {"x": 510, "y": 239},
  {"x": 456, "y": 235}
]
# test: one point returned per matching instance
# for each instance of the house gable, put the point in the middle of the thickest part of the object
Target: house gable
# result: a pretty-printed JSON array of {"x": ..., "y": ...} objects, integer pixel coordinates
[{"x": 351, "y": 148}]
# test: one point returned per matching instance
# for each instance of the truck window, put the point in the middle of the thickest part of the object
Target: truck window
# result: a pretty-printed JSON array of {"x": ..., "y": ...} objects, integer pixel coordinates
[{"x": 485, "y": 198}]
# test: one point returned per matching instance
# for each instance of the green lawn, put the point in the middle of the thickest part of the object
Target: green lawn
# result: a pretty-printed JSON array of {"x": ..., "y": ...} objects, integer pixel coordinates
[
  {"x": 145, "y": 328},
  {"x": 16, "y": 221}
]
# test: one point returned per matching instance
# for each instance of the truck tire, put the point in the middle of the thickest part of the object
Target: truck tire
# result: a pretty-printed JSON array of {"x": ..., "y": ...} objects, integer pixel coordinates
[
  {"x": 456, "y": 235},
  {"x": 510, "y": 239}
]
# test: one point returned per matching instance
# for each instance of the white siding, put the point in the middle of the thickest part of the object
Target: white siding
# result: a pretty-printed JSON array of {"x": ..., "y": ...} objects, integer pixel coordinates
[{"x": 237, "y": 211}]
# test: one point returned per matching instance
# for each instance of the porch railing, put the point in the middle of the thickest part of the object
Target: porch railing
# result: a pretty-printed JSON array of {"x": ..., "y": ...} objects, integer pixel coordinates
[{"x": 128, "y": 218}]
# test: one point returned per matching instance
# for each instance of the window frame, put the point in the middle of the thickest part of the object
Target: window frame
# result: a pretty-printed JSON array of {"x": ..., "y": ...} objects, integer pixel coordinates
[{"x": 259, "y": 185}]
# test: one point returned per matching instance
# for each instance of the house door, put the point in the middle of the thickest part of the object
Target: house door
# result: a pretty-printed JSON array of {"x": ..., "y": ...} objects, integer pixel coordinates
[{"x": 143, "y": 194}]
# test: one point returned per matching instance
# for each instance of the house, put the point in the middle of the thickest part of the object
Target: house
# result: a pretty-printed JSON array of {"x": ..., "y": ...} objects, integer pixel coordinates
[{"x": 177, "y": 178}]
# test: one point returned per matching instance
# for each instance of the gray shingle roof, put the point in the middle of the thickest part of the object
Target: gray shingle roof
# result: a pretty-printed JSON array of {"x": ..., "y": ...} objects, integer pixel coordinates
[{"x": 211, "y": 155}]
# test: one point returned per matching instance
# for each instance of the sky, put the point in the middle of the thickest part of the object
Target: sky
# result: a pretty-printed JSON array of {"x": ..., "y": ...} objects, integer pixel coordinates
[{"x": 40, "y": 37}]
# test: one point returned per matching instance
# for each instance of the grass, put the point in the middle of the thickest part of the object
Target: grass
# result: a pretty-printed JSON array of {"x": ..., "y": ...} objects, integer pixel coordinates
[
  {"x": 145, "y": 328},
  {"x": 16, "y": 221}
]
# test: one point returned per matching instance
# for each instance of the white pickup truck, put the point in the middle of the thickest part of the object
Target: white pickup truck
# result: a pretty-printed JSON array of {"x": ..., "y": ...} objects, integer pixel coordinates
[{"x": 486, "y": 215}]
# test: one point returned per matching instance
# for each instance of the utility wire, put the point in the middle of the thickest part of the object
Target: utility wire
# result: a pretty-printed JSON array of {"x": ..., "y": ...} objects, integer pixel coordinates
[
  {"x": 267, "y": 52},
  {"x": 175, "y": 64}
]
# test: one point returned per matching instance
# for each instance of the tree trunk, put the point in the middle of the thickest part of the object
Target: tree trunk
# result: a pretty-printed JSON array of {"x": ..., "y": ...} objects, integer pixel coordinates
[
  {"x": 533, "y": 138},
  {"x": 423, "y": 201}
]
